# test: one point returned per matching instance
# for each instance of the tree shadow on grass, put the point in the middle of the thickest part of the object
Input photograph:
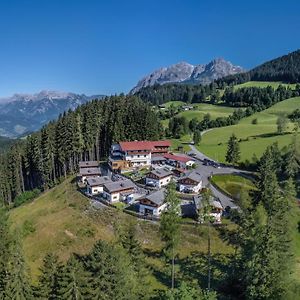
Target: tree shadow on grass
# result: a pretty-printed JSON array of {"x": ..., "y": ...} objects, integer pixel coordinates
[
  {"x": 269, "y": 135},
  {"x": 195, "y": 267}
]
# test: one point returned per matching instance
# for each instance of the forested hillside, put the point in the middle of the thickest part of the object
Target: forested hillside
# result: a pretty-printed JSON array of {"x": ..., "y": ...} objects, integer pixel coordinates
[
  {"x": 5, "y": 143},
  {"x": 285, "y": 68},
  {"x": 86, "y": 133}
]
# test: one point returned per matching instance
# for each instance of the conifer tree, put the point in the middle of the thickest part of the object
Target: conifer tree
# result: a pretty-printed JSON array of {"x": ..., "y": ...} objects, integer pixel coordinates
[
  {"x": 170, "y": 227},
  {"x": 267, "y": 250},
  {"x": 233, "y": 150},
  {"x": 48, "y": 280},
  {"x": 197, "y": 137},
  {"x": 17, "y": 280},
  {"x": 74, "y": 281},
  {"x": 112, "y": 273},
  {"x": 127, "y": 238},
  {"x": 186, "y": 292}
]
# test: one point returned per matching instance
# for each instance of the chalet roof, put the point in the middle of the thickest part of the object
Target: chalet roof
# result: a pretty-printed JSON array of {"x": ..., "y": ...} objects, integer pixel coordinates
[
  {"x": 88, "y": 164},
  {"x": 157, "y": 158},
  {"x": 193, "y": 175},
  {"x": 181, "y": 158},
  {"x": 161, "y": 173},
  {"x": 157, "y": 197},
  {"x": 117, "y": 186},
  {"x": 180, "y": 170},
  {"x": 213, "y": 201},
  {"x": 144, "y": 145},
  {"x": 89, "y": 171},
  {"x": 96, "y": 181}
]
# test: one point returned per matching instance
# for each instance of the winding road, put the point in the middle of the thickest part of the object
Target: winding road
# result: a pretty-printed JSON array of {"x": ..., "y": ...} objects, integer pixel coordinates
[{"x": 208, "y": 171}]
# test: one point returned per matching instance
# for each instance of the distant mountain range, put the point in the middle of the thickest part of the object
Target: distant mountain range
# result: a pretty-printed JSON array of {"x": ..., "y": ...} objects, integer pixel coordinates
[
  {"x": 184, "y": 72},
  {"x": 25, "y": 113}
]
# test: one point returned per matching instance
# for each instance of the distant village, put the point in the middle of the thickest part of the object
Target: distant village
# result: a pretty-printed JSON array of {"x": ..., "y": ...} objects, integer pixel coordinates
[{"x": 137, "y": 175}]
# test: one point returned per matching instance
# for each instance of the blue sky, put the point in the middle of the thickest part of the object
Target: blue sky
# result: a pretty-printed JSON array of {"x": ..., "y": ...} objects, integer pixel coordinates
[{"x": 105, "y": 47}]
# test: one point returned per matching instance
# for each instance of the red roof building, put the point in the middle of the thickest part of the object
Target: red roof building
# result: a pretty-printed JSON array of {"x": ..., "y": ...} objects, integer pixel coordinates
[
  {"x": 152, "y": 146},
  {"x": 179, "y": 161},
  {"x": 180, "y": 158}
]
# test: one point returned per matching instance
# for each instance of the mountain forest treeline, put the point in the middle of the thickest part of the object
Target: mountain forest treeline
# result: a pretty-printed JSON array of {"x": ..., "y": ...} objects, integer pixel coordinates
[
  {"x": 285, "y": 68},
  {"x": 248, "y": 96},
  {"x": 87, "y": 133}
]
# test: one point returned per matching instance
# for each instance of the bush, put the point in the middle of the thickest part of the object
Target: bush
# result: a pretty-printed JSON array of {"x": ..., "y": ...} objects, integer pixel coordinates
[
  {"x": 28, "y": 228},
  {"x": 254, "y": 121},
  {"x": 26, "y": 197}
]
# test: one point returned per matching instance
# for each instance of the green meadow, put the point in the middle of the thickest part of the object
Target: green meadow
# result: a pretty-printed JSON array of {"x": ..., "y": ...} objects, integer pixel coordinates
[
  {"x": 263, "y": 84},
  {"x": 233, "y": 184},
  {"x": 200, "y": 110},
  {"x": 254, "y": 138}
]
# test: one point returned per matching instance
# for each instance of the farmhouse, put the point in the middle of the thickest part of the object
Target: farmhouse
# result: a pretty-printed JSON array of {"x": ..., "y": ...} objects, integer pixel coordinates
[
  {"x": 88, "y": 164},
  {"x": 86, "y": 173},
  {"x": 179, "y": 160},
  {"x": 153, "y": 204},
  {"x": 129, "y": 155},
  {"x": 95, "y": 184},
  {"x": 118, "y": 190},
  {"x": 158, "y": 177},
  {"x": 190, "y": 183},
  {"x": 216, "y": 208}
]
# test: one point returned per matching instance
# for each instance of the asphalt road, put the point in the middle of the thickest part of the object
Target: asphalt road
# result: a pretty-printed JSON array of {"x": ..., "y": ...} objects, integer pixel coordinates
[{"x": 207, "y": 171}]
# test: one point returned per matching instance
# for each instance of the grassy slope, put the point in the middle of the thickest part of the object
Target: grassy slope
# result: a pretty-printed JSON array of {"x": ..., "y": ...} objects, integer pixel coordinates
[
  {"x": 202, "y": 109},
  {"x": 215, "y": 111},
  {"x": 64, "y": 223},
  {"x": 214, "y": 142},
  {"x": 233, "y": 184},
  {"x": 174, "y": 103},
  {"x": 263, "y": 84},
  {"x": 182, "y": 143}
]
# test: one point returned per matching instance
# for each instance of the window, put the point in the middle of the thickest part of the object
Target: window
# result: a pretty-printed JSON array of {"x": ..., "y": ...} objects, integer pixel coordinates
[
  {"x": 138, "y": 155},
  {"x": 145, "y": 155}
]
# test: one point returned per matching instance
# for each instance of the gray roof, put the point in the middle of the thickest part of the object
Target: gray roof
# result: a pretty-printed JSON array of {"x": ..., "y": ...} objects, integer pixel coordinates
[
  {"x": 96, "y": 181},
  {"x": 116, "y": 186},
  {"x": 89, "y": 171},
  {"x": 88, "y": 164},
  {"x": 194, "y": 175},
  {"x": 161, "y": 173},
  {"x": 157, "y": 197},
  {"x": 158, "y": 158},
  {"x": 213, "y": 201}
]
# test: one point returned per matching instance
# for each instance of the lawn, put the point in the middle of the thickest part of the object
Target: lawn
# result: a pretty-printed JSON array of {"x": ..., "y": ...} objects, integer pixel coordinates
[
  {"x": 233, "y": 184},
  {"x": 182, "y": 142},
  {"x": 174, "y": 103},
  {"x": 254, "y": 138},
  {"x": 62, "y": 221},
  {"x": 263, "y": 84}
]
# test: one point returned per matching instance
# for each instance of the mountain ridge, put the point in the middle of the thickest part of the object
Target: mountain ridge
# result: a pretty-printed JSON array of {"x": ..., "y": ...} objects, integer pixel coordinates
[
  {"x": 23, "y": 113},
  {"x": 184, "y": 72}
]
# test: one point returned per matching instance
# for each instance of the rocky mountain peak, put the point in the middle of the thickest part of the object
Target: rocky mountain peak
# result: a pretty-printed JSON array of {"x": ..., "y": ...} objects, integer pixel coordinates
[{"x": 184, "y": 72}]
